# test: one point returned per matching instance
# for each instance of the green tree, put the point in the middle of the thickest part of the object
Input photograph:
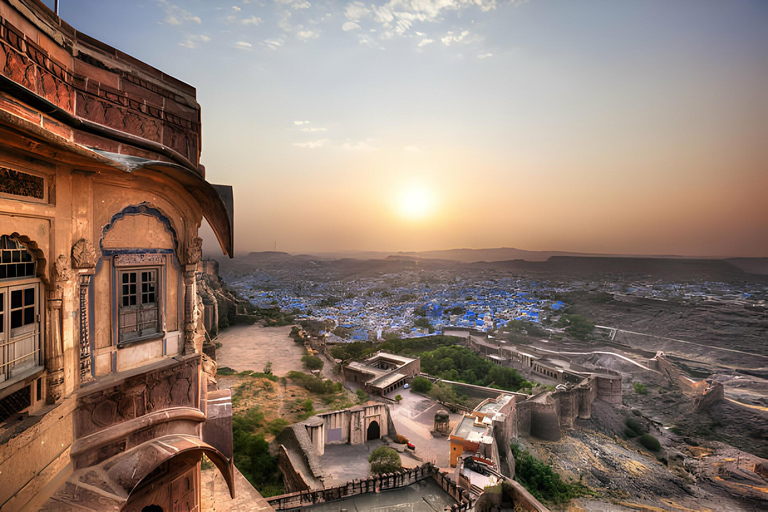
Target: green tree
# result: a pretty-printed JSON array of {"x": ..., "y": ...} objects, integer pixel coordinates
[
  {"x": 421, "y": 385},
  {"x": 384, "y": 460},
  {"x": 362, "y": 396},
  {"x": 578, "y": 326},
  {"x": 312, "y": 362},
  {"x": 398, "y": 398}
]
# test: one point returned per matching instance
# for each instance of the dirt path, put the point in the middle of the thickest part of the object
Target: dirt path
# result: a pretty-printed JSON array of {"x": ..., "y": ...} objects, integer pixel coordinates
[{"x": 249, "y": 347}]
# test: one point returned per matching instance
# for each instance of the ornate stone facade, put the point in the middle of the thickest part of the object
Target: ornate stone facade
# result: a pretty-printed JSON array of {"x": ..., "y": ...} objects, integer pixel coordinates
[{"x": 105, "y": 278}]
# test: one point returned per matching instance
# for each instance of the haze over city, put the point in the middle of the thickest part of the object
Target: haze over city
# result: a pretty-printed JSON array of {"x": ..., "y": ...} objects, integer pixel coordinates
[{"x": 421, "y": 125}]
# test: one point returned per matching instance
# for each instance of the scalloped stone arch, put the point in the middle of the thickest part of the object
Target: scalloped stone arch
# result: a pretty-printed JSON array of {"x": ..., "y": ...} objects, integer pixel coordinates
[
  {"x": 32, "y": 246},
  {"x": 142, "y": 209}
]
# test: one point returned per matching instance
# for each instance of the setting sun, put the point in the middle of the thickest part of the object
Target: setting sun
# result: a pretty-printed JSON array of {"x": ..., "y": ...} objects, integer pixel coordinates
[{"x": 415, "y": 202}]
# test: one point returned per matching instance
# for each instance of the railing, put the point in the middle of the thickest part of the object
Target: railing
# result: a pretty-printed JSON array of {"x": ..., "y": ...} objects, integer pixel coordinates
[{"x": 375, "y": 484}]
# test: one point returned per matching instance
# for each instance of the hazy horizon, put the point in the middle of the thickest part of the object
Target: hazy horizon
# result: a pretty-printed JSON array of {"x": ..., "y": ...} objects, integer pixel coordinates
[{"x": 592, "y": 127}]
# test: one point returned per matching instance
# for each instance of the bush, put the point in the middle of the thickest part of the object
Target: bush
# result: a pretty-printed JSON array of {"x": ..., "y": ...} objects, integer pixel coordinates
[
  {"x": 640, "y": 389},
  {"x": 421, "y": 384},
  {"x": 401, "y": 439},
  {"x": 384, "y": 460},
  {"x": 650, "y": 442},
  {"x": 314, "y": 384},
  {"x": 225, "y": 370},
  {"x": 277, "y": 425},
  {"x": 362, "y": 396},
  {"x": 398, "y": 398},
  {"x": 541, "y": 480},
  {"x": 631, "y": 434},
  {"x": 312, "y": 362},
  {"x": 635, "y": 425}
]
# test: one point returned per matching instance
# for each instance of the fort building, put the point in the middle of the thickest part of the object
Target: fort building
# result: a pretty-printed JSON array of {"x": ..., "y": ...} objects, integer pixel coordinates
[
  {"x": 105, "y": 397},
  {"x": 382, "y": 373}
]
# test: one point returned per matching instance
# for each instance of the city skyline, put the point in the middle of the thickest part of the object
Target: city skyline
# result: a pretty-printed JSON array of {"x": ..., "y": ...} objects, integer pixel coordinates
[{"x": 423, "y": 125}]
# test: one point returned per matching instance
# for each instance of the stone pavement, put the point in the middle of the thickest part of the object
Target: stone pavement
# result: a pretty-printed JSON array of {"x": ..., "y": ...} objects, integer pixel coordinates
[
  {"x": 414, "y": 418},
  {"x": 216, "y": 494},
  {"x": 423, "y": 496}
]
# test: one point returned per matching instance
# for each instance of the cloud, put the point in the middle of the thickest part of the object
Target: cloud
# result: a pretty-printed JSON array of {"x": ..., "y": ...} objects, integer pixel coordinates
[
  {"x": 425, "y": 42},
  {"x": 485, "y": 55},
  {"x": 362, "y": 145},
  {"x": 454, "y": 37},
  {"x": 236, "y": 8},
  {"x": 242, "y": 45},
  {"x": 400, "y": 16},
  {"x": 295, "y": 4},
  {"x": 193, "y": 41},
  {"x": 313, "y": 144},
  {"x": 253, "y": 20},
  {"x": 175, "y": 15},
  {"x": 350, "y": 25},
  {"x": 299, "y": 123},
  {"x": 272, "y": 44},
  {"x": 410, "y": 149},
  {"x": 304, "y": 35}
]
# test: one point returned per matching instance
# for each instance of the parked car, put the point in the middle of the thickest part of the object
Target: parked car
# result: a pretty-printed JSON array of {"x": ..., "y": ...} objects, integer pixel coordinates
[
  {"x": 411, "y": 446},
  {"x": 406, "y": 386}
]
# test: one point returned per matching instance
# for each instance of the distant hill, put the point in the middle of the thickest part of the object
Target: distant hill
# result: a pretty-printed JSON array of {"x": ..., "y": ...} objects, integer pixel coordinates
[
  {"x": 555, "y": 267},
  {"x": 492, "y": 254}
]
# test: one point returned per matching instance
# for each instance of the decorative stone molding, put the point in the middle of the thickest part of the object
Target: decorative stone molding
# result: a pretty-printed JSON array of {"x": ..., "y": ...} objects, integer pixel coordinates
[
  {"x": 194, "y": 250},
  {"x": 62, "y": 269},
  {"x": 83, "y": 254}
]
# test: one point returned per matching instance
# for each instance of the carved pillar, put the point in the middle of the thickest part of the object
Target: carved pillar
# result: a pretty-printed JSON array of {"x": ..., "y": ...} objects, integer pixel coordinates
[
  {"x": 192, "y": 255},
  {"x": 85, "y": 333},
  {"x": 189, "y": 309},
  {"x": 84, "y": 258},
  {"x": 54, "y": 350}
]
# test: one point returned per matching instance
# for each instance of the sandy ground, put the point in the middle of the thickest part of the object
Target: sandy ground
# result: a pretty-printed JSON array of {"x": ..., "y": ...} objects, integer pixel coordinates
[
  {"x": 249, "y": 347},
  {"x": 414, "y": 418}
]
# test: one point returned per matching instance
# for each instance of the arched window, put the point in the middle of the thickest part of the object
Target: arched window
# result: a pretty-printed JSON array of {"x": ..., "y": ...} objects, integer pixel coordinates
[{"x": 20, "y": 350}]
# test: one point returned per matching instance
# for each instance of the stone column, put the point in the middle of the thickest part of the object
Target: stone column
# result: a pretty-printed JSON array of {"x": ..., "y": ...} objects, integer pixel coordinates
[
  {"x": 54, "y": 350},
  {"x": 85, "y": 333},
  {"x": 190, "y": 296},
  {"x": 84, "y": 258},
  {"x": 192, "y": 254}
]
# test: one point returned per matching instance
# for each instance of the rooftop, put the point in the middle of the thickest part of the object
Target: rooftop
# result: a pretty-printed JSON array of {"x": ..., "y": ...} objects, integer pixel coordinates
[{"x": 467, "y": 427}]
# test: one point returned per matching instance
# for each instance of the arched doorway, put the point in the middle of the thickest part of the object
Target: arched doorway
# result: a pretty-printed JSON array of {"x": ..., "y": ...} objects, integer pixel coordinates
[{"x": 374, "y": 432}]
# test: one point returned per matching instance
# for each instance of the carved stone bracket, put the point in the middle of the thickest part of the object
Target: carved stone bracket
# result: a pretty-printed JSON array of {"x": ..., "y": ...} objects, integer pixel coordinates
[
  {"x": 62, "y": 269},
  {"x": 85, "y": 336},
  {"x": 83, "y": 254},
  {"x": 194, "y": 250}
]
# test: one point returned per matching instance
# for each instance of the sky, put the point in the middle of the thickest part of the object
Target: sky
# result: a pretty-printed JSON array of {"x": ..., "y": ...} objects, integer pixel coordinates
[{"x": 634, "y": 127}]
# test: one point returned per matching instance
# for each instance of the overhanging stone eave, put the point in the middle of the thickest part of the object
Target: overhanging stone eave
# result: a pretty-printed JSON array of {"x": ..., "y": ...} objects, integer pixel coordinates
[{"x": 216, "y": 201}]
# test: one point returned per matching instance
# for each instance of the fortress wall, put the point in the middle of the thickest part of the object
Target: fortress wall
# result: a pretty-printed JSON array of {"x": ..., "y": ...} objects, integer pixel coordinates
[
  {"x": 545, "y": 420},
  {"x": 608, "y": 389},
  {"x": 669, "y": 370}
]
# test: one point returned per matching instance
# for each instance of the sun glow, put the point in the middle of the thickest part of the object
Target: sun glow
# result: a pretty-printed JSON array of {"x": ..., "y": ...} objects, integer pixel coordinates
[{"x": 415, "y": 202}]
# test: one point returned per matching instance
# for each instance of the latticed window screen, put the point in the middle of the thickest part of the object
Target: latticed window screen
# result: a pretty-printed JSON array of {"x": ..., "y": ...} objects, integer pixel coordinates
[
  {"x": 139, "y": 308},
  {"x": 15, "y": 261}
]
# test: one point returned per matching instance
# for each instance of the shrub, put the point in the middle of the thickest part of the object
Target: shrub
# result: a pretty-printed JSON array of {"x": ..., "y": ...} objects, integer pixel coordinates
[
  {"x": 362, "y": 396},
  {"x": 277, "y": 425},
  {"x": 635, "y": 425},
  {"x": 640, "y": 389},
  {"x": 312, "y": 362},
  {"x": 631, "y": 434},
  {"x": 384, "y": 460},
  {"x": 541, "y": 480},
  {"x": 398, "y": 398},
  {"x": 421, "y": 384},
  {"x": 650, "y": 442},
  {"x": 401, "y": 439},
  {"x": 225, "y": 370}
]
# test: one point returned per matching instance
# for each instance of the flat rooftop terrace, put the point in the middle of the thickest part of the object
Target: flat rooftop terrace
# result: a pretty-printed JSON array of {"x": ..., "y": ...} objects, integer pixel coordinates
[
  {"x": 467, "y": 426},
  {"x": 422, "y": 496}
]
